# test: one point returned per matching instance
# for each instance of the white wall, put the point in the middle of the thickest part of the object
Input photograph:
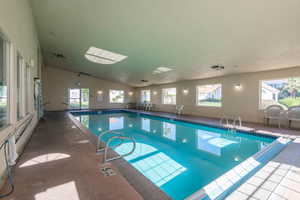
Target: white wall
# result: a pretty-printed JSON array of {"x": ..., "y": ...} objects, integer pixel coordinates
[
  {"x": 56, "y": 83},
  {"x": 17, "y": 24},
  {"x": 244, "y": 103}
]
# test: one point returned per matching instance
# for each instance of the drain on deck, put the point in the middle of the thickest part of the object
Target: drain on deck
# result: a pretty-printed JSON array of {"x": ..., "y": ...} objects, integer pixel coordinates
[{"x": 107, "y": 171}]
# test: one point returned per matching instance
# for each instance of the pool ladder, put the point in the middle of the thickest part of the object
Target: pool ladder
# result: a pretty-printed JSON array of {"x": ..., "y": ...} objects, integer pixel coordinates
[
  {"x": 106, "y": 147},
  {"x": 236, "y": 122}
]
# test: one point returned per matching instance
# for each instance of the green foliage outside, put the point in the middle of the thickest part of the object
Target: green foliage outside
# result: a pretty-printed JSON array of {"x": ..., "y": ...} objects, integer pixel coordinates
[
  {"x": 289, "y": 95},
  {"x": 211, "y": 102},
  {"x": 288, "y": 102}
]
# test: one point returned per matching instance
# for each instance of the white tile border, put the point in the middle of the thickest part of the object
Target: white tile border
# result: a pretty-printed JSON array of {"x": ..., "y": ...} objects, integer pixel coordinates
[{"x": 228, "y": 182}]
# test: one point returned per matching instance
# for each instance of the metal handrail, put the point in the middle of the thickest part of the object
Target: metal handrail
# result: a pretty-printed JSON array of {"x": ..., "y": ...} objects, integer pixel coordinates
[
  {"x": 99, "y": 148},
  {"x": 233, "y": 126},
  {"x": 239, "y": 119},
  {"x": 105, "y": 159},
  {"x": 224, "y": 118}
]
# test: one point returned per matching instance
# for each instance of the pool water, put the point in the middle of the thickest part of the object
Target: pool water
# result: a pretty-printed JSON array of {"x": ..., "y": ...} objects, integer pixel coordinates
[{"x": 178, "y": 157}]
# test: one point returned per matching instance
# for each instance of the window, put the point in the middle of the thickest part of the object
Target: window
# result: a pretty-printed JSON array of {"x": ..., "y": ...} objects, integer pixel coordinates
[
  {"x": 209, "y": 95},
  {"x": 4, "y": 54},
  {"x": 27, "y": 88},
  {"x": 145, "y": 96},
  {"x": 169, "y": 96},
  {"x": 79, "y": 98},
  {"x": 19, "y": 87},
  {"x": 284, "y": 92},
  {"x": 116, "y": 96}
]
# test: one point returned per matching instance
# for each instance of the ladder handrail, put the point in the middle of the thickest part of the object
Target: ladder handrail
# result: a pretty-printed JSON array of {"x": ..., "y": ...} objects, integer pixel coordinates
[
  {"x": 224, "y": 118},
  {"x": 238, "y": 118},
  {"x": 235, "y": 120},
  {"x": 119, "y": 156},
  {"x": 99, "y": 148}
]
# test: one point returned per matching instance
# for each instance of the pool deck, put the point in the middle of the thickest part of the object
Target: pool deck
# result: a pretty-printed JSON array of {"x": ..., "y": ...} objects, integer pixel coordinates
[{"x": 60, "y": 162}]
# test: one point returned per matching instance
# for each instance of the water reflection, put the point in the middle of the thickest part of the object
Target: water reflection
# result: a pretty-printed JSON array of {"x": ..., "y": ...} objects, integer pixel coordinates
[
  {"x": 116, "y": 123},
  {"x": 84, "y": 119},
  {"x": 145, "y": 124},
  {"x": 169, "y": 131},
  {"x": 211, "y": 142}
]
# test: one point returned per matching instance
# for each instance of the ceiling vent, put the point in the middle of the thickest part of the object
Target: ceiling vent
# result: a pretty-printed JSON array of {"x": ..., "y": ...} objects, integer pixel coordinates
[
  {"x": 84, "y": 73},
  {"x": 59, "y": 55},
  {"x": 144, "y": 81},
  {"x": 217, "y": 67}
]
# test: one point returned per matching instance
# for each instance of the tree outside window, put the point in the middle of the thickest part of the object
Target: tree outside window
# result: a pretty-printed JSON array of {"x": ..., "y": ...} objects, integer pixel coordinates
[
  {"x": 116, "y": 96},
  {"x": 284, "y": 92}
]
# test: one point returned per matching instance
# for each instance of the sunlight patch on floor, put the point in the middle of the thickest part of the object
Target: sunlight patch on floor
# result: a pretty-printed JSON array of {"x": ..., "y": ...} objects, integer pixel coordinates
[
  {"x": 64, "y": 191},
  {"x": 44, "y": 159}
]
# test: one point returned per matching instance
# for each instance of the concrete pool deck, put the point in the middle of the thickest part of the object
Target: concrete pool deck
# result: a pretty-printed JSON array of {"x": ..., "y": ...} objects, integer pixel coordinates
[{"x": 60, "y": 163}]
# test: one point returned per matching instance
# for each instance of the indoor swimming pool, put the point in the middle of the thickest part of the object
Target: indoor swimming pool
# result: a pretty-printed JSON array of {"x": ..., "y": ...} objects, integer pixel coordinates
[{"x": 178, "y": 157}]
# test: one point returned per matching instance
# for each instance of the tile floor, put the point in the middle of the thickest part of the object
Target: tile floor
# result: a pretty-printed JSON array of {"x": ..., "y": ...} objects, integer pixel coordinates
[{"x": 278, "y": 179}]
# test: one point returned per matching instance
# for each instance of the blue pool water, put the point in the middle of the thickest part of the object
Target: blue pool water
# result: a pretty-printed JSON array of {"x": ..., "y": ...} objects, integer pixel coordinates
[{"x": 178, "y": 157}]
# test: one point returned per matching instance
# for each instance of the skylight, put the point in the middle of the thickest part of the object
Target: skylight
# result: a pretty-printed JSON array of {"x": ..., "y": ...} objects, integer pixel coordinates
[
  {"x": 101, "y": 56},
  {"x": 160, "y": 70}
]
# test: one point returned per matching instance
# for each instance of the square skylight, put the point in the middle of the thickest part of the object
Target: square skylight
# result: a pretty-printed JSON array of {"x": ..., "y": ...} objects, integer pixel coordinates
[
  {"x": 101, "y": 56},
  {"x": 160, "y": 70}
]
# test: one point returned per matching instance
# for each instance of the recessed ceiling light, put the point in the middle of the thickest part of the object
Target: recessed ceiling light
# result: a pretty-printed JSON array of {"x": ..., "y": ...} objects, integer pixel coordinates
[
  {"x": 101, "y": 56},
  {"x": 160, "y": 70}
]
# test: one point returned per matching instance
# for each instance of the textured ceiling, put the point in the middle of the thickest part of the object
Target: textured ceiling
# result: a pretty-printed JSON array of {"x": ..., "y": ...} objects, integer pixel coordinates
[{"x": 188, "y": 36}]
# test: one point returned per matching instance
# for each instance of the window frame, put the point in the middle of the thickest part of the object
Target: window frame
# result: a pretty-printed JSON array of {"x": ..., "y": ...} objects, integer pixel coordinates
[
  {"x": 79, "y": 98},
  {"x": 20, "y": 63},
  {"x": 163, "y": 95},
  {"x": 109, "y": 96},
  {"x": 208, "y": 106},
  {"x": 141, "y": 97},
  {"x": 7, "y": 53},
  {"x": 260, "y": 105},
  {"x": 27, "y": 90}
]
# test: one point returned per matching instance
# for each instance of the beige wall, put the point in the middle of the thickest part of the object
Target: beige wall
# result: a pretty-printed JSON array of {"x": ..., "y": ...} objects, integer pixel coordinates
[
  {"x": 18, "y": 26},
  {"x": 56, "y": 83},
  {"x": 244, "y": 103}
]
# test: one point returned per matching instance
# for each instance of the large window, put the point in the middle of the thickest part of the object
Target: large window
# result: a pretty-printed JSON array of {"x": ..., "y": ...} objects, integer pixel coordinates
[
  {"x": 209, "y": 95},
  {"x": 3, "y": 82},
  {"x": 27, "y": 88},
  {"x": 284, "y": 92},
  {"x": 19, "y": 87},
  {"x": 116, "y": 96},
  {"x": 169, "y": 96},
  {"x": 79, "y": 98},
  {"x": 145, "y": 96}
]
